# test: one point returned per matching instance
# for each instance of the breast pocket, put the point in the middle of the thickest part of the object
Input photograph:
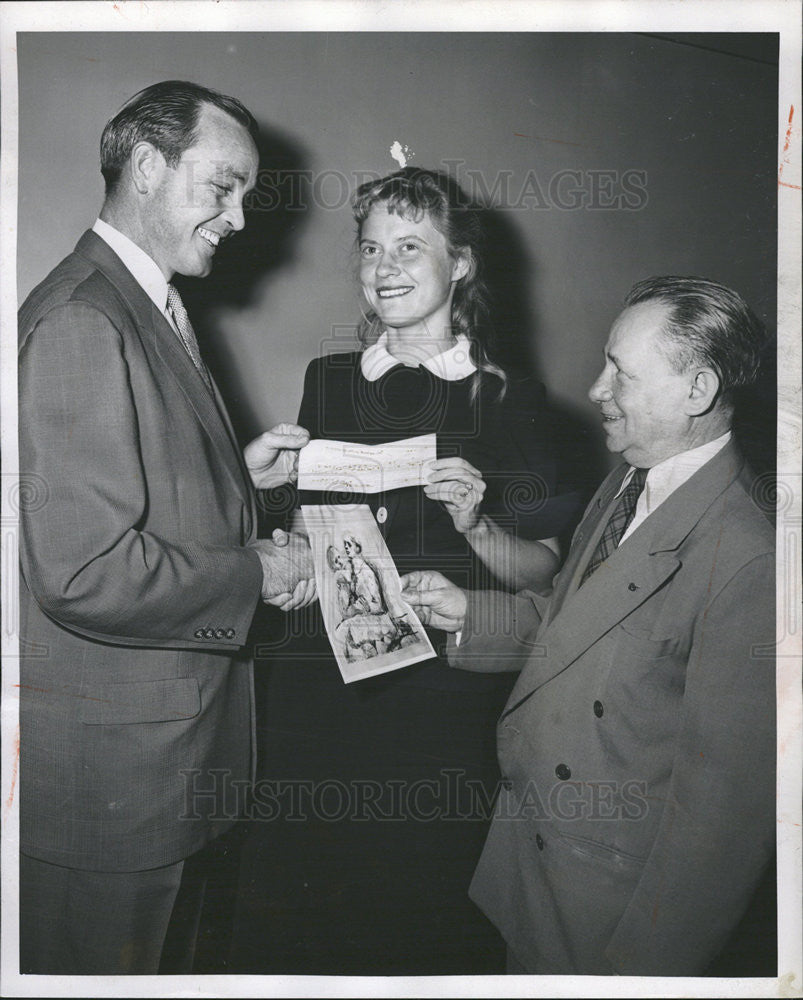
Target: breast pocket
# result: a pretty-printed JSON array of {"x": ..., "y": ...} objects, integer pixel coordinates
[{"x": 646, "y": 678}]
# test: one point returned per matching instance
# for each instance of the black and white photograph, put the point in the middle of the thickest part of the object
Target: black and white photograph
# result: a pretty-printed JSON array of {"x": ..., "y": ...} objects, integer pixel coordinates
[
  {"x": 401, "y": 498},
  {"x": 371, "y": 629}
]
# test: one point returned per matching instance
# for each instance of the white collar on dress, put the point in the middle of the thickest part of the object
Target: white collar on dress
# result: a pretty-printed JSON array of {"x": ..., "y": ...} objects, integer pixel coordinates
[{"x": 450, "y": 365}]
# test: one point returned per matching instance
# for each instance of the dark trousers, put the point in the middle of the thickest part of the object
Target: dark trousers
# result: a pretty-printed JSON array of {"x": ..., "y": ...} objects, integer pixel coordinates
[{"x": 76, "y": 922}]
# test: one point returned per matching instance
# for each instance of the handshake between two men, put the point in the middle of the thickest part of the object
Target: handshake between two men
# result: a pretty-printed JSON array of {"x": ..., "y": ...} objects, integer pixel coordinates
[{"x": 288, "y": 575}]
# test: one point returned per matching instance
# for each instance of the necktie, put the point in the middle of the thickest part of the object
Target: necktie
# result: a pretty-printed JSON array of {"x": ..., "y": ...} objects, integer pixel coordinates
[
  {"x": 621, "y": 516},
  {"x": 186, "y": 332}
]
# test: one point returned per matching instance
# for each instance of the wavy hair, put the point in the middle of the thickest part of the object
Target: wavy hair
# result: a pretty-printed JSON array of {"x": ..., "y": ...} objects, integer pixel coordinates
[{"x": 413, "y": 193}]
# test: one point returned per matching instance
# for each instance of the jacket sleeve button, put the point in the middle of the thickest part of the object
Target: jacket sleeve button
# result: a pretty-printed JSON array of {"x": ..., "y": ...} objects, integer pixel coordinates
[
  {"x": 599, "y": 711},
  {"x": 230, "y": 633},
  {"x": 563, "y": 772},
  {"x": 220, "y": 633},
  {"x": 199, "y": 633},
  {"x": 209, "y": 633}
]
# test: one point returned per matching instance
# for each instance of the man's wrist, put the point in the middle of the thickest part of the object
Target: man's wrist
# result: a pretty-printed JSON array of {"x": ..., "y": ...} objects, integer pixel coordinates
[{"x": 270, "y": 585}]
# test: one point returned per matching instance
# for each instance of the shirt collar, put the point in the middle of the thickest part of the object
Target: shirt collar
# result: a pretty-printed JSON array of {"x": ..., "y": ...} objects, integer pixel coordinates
[
  {"x": 665, "y": 477},
  {"x": 450, "y": 365},
  {"x": 145, "y": 270}
]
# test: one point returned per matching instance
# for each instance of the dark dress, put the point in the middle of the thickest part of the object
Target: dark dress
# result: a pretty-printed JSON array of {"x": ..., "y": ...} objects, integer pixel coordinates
[{"x": 385, "y": 786}]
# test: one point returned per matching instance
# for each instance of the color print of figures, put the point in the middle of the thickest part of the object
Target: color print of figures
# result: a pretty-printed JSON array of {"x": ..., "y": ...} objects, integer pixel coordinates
[{"x": 370, "y": 628}]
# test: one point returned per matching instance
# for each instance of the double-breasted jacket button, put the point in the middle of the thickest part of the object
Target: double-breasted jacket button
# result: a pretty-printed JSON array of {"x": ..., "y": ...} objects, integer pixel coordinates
[
  {"x": 220, "y": 633},
  {"x": 563, "y": 772},
  {"x": 199, "y": 633},
  {"x": 539, "y": 840},
  {"x": 230, "y": 633},
  {"x": 382, "y": 515},
  {"x": 599, "y": 711}
]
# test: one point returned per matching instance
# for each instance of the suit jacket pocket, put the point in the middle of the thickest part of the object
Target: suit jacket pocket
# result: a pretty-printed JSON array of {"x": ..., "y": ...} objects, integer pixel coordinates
[
  {"x": 594, "y": 850},
  {"x": 142, "y": 701}
]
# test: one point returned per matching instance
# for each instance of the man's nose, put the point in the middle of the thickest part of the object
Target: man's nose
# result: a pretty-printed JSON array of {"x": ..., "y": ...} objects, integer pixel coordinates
[
  {"x": 599, "y": 390},
  {"x": 235, "y": 216}
]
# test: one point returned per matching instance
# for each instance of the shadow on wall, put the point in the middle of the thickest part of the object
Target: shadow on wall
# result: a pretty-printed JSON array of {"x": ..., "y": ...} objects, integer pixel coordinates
[
  {"x": 242, "y": 264},
  {"x": 755, "y": 417},
  {"x": 511, "y": 274}
]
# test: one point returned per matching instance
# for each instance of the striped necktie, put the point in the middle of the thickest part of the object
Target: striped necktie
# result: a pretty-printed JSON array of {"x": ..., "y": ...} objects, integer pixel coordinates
[
  {"x": 621, "y": 516},
  {"x": 186, "y": 332}
]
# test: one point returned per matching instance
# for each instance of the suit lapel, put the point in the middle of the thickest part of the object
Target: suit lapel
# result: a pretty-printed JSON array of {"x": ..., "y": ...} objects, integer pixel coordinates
[
  {"x": 209, "y": 407},
  {"x": 629, "y": 576},
  {"x": 245, "y": 475},
  {"x": 176, "y": 364},
  {"x": 585, "y": 540}
]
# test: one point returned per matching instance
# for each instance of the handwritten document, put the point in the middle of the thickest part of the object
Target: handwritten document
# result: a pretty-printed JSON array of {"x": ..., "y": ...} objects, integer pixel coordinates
[{"x": 365, "y": 468}]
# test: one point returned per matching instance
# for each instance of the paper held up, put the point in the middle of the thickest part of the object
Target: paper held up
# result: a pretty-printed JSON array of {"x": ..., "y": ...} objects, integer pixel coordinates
[
  {"x": 371, "y": 628},
  {"x": 347, "y": 467}
]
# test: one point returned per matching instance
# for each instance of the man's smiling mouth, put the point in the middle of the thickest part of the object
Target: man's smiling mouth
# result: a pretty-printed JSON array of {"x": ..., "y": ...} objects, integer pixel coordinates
[{"x": 211, "y": 237}]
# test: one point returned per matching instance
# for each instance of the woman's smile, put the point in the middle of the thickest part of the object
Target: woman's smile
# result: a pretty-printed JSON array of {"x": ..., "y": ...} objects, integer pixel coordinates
[{"x": 408, "y": 274}]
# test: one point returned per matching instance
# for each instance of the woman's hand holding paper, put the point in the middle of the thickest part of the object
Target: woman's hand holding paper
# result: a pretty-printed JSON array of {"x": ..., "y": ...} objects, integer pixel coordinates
[{"x": 460, "y": 488}]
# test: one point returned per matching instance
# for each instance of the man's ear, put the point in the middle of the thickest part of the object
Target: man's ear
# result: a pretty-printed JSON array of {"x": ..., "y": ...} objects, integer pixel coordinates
[
  {"x": 703, "y": 392},
  {"x": 147, "y": 166}
]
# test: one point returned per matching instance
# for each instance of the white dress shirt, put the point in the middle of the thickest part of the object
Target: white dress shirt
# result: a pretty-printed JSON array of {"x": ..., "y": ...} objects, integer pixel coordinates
[
  {"x": 663, "y": 479},
  {"x": 145, "y": 270}
]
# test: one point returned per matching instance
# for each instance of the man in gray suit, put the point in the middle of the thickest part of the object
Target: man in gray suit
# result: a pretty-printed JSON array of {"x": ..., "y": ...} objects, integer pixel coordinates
[
  {"x": 637, "y": 810},
  {"x": 140, "y": 571}
]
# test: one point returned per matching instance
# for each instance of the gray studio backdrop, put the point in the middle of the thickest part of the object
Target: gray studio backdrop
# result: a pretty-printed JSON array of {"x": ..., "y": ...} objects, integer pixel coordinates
[{"x": 602, "y": 158}]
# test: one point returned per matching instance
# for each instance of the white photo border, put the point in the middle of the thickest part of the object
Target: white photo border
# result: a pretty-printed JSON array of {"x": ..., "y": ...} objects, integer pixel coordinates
[{"x": 433, "y": 15}]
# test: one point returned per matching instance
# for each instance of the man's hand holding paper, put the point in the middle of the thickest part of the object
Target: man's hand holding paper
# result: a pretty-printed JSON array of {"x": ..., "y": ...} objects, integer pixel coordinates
[{"x": 272, "y": 458}]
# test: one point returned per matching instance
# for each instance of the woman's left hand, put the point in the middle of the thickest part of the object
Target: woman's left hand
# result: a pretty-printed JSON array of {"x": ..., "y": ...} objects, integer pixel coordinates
[{"x": 460, "y": 488}]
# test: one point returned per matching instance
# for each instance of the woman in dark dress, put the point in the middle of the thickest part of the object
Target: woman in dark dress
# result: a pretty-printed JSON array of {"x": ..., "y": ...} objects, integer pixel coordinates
[{"x": 399, "y": 771}]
